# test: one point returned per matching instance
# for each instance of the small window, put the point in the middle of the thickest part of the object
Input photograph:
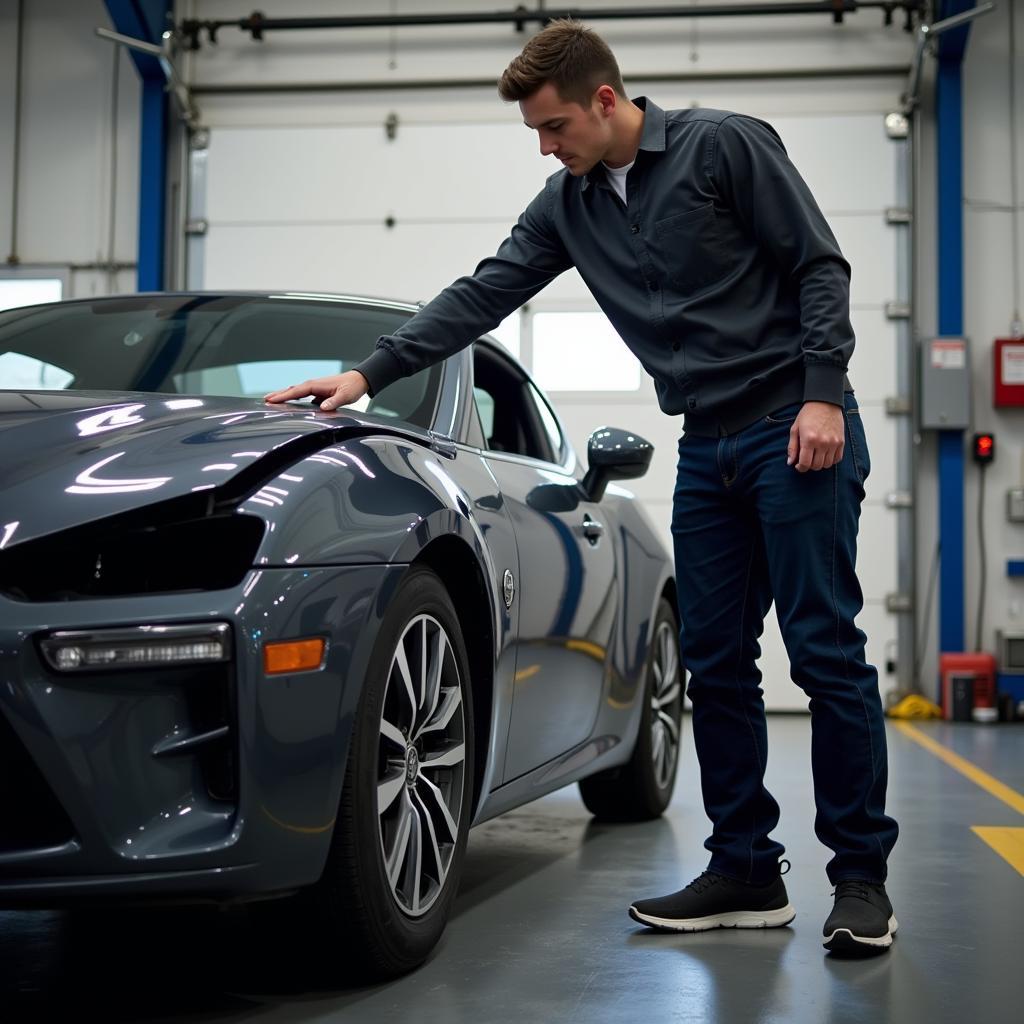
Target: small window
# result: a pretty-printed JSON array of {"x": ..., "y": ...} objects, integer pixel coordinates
[
  {"x": 582, "y": 352},
  {"x": 29, "y": 291},
  {"x": 23, "y": 373}
]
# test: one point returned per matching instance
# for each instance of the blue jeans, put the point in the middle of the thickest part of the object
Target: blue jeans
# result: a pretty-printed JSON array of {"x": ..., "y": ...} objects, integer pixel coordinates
[{"x": 748, "y": 529}]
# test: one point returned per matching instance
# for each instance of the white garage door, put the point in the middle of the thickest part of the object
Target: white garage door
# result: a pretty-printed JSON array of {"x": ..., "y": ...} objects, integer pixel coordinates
[{"x": 344, "y": 208}]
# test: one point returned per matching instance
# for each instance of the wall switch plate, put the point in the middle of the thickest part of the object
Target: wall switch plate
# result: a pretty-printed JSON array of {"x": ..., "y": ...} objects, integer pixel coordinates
[{"x": 1015, "y": 505}]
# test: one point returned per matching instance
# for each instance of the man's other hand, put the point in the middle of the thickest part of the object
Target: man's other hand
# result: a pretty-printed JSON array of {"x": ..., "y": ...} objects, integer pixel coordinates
[
  {"x": 817, "y": 438},
  {"x": 334, "y": 391}
]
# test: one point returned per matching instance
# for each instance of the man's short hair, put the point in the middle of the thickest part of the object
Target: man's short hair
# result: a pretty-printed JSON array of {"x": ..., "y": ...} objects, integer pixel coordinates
[{"x": 574, "y": 58}]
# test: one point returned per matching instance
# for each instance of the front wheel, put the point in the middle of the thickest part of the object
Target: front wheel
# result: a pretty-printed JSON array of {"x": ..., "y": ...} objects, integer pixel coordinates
[
  {"x": 400, "y": 837},
  {"x": 642, "y": 788}
]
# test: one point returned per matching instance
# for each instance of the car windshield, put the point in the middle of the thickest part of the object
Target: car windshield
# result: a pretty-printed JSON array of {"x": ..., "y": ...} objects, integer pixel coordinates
[{"x": 233, "y": 346}]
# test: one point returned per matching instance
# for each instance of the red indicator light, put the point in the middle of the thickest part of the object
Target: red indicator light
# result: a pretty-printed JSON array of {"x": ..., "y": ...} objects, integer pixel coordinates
[{"x": 984, "y": 448}]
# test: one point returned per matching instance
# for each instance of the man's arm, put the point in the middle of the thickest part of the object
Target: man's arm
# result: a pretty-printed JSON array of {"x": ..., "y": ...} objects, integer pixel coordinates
[
  {"x": 755, "y": 176},
  {"x": 525, "y": 262}
]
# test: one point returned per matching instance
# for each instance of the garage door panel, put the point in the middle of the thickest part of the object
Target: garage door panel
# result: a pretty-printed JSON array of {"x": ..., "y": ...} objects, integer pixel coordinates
[
  {"x": 438, "y": 172},
  {"x": 869, "y": 246},
  {"x": 409, "y": 261},
  {"x": 858, "y": 144}
]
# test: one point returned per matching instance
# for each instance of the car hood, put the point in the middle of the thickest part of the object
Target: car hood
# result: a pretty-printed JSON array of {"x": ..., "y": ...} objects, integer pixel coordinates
[{"x": 67, "y": 458}]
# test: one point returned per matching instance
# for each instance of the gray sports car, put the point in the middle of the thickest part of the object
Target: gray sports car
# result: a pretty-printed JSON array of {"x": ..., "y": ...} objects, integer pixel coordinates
[{"x": 251, "y": 650}]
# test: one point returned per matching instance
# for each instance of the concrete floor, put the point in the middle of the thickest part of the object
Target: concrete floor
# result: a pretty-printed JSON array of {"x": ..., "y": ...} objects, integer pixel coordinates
[{"x": 540, "y": 932}]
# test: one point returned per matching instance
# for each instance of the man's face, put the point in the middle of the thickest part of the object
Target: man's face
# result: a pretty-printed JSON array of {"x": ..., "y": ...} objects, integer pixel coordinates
[{"x": 577, "y": 136}]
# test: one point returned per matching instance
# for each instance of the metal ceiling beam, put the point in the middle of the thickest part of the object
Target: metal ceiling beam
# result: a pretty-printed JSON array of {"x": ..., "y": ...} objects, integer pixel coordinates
[{"x": 256, "y": 24}]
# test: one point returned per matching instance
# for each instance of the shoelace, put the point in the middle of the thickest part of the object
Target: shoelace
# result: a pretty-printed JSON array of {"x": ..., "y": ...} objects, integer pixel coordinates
[
  {"x": 853, "y": 887},
  {"x": 704, "y": 881}
]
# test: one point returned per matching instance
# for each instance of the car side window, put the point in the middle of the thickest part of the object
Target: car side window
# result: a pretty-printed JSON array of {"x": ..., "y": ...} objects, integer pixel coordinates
[
  {"x": 509, "y": 415},
  {"x": 475, "y": 427}
]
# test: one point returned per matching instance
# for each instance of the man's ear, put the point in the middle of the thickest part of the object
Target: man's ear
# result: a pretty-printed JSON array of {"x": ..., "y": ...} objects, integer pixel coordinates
[{"x": 606, "y": 99}]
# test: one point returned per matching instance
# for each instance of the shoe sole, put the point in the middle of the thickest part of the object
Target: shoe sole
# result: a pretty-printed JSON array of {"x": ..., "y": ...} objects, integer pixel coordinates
[
  {"x": 844, "y": 942},
  {"x": 735, "y": 919}
]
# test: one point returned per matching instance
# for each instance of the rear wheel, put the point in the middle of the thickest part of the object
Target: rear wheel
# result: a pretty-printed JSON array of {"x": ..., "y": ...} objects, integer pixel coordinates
[
  {"x": 642, "y": 788},
  {"x": 400, "y": 837}
]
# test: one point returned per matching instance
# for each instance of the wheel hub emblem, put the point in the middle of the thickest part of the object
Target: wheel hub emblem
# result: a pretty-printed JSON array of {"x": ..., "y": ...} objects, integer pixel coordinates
[{"x": 412, "y": 766}]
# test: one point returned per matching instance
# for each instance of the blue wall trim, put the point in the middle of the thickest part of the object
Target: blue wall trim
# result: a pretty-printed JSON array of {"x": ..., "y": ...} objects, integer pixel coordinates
[
  {"x": 949, "y": 173},
  {"x": 152, "y": 187},
  {"x": 146, "y": 19}
]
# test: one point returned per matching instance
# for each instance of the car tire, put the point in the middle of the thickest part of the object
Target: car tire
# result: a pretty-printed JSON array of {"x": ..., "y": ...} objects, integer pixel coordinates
[
  {"x": 641, "y": 789},
  {"x": 384, "y": 909}
]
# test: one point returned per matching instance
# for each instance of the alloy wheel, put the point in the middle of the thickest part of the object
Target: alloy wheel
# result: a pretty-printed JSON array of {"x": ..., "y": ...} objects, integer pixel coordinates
[
  {"x": 421, "y": 765},
  {"x": 666, "y": 695}
]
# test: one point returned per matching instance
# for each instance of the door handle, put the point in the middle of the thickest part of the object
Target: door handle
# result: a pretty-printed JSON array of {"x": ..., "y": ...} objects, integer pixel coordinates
[{"x": 592, "y": 529}]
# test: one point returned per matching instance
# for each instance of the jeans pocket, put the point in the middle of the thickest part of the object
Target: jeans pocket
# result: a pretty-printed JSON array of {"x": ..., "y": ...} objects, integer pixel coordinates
[{"x": 857, "y": 443}]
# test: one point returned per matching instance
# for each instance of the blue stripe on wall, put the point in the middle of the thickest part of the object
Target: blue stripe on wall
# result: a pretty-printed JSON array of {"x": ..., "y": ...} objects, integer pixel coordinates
[
  {"x": 146, "y": 20},
  {"x": 949, "y": 172}
]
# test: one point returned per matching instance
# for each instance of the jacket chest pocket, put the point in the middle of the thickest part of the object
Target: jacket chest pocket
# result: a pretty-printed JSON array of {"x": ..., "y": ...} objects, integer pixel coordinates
[{"x": 690, "y": 250}]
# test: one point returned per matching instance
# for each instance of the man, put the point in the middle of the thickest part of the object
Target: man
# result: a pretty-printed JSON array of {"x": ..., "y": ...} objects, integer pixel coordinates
[{"x": 704, "y": 247}]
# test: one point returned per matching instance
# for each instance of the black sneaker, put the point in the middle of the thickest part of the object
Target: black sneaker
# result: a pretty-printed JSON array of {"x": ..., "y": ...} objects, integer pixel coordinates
[
  {"x": 714, "y": 901},
  {"x": 861, "y": 921}
]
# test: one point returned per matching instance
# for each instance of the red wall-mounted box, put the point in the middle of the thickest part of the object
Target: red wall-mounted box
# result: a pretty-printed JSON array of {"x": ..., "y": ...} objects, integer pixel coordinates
[{"x": 1008, "y": 360}]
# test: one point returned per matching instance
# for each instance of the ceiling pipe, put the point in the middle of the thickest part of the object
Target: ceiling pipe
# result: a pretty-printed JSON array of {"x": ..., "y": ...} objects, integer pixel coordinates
[{"x": 257, "y": 24}]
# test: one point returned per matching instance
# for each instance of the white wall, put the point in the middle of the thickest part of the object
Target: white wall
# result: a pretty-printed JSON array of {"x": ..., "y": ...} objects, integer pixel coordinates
[
  {"x": 66, "y": 143},
  {"x": 988, "y": 304}
]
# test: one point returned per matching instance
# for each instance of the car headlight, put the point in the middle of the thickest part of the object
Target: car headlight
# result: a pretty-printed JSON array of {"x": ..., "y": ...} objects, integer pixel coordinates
[{"x": 136, "y": 647}]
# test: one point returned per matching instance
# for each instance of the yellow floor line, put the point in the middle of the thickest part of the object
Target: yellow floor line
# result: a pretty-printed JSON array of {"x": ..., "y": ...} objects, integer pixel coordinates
[
  {"x": 980, "y": 778},
  {"x": 1007, "y": 842}
]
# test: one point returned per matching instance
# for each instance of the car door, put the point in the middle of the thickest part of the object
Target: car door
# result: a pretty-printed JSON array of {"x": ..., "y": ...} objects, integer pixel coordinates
[{"x": 567, "y": 589}]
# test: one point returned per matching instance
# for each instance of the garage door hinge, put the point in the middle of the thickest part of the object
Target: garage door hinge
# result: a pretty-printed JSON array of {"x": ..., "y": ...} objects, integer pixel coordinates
[
  {"x": 898, "y": 603},
  {"x": 897, "y": 311},
  {"x": 198, "y": 226},
  {"x": 391, "y": 126},
  {"x": 898, "y": 405},
  {"x": 899, "y": 499},
  {"x": 897, "y": 215}
]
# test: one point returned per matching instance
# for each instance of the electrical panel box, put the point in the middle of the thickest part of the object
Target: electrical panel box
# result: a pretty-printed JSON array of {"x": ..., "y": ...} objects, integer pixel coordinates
[
  {"x": 1008, "y": 376},
  {"x": 945, "y": 384}
]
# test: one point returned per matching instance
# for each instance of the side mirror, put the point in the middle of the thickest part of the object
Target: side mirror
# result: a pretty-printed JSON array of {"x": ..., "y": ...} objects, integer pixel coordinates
[{"x": 614, "y": 454}]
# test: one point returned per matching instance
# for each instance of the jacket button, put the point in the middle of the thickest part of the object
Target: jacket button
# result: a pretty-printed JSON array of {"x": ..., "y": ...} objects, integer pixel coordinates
[
  {"x": 675, "y": 346},
  {"x": 691, "y": 403},
  {"x": 635, "y": 229}
]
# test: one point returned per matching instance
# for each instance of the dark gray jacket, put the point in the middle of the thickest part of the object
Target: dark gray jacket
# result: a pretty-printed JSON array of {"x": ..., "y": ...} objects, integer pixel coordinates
[{"x": 720, "y": 273}]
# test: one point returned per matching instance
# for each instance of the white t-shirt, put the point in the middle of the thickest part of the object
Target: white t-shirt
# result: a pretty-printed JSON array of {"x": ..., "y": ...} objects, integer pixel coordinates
[{"x": 617, "y": 177}]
